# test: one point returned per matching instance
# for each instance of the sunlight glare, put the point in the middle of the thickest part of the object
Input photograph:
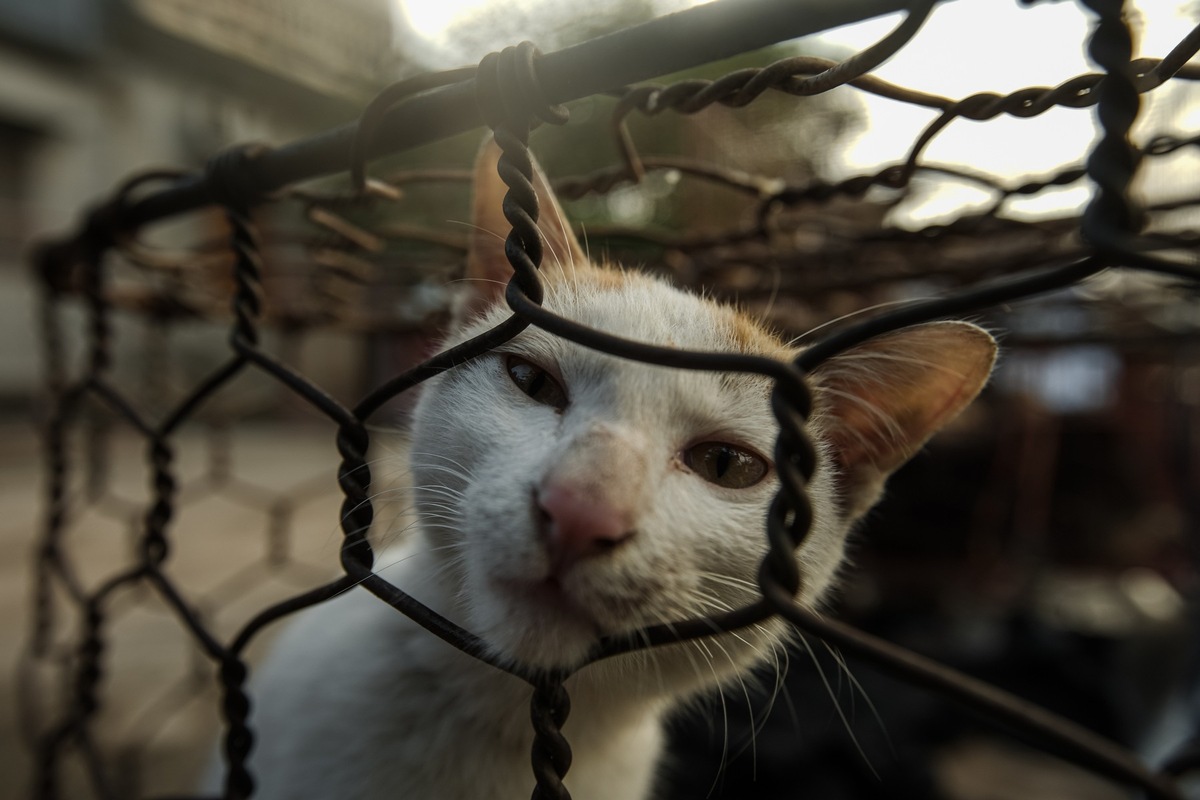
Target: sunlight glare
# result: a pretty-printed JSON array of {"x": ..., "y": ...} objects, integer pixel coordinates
[
  {"x": 964, "y": 48},
  {"x": 993, "y": 46},
  {"x": 432, "y": 19}
]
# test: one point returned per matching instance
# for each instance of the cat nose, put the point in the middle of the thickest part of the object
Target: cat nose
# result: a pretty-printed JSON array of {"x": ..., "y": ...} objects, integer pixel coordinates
[{"x": 575, "y": 524}]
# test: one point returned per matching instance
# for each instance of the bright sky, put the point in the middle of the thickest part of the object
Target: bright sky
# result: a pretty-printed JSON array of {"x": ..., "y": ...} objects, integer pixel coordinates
[
  {"x": 999, "y": 46},
  {"x": 967, "y": 46},
  {"x": 433, "y": 17}
]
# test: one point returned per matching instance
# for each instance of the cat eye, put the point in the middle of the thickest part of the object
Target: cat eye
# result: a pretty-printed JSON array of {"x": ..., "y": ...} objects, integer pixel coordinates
[
  {"x": 536, "y": 382},
  {"x": 725, "y": 465}
]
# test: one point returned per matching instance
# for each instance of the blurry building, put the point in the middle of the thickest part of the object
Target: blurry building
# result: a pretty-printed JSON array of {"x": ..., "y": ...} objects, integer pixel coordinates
[{"x": 92, "y": 90}]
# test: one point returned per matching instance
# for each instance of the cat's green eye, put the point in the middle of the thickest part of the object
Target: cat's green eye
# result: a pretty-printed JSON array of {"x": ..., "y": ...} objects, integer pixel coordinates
[
  {"x": 536, "y": 382},
  {"x": 725, "y": 465}
]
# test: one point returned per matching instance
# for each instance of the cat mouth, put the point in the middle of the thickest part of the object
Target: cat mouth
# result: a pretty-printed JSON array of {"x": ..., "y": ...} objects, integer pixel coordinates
[{"x": 546, "y": 599}]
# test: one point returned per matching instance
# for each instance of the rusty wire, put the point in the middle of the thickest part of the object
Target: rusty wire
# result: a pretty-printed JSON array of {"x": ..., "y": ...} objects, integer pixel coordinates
[{"x": 509, "y": 94}]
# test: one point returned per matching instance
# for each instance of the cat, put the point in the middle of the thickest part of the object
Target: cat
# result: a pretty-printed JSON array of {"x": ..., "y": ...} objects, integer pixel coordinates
[{"x": 563, "y": 494}]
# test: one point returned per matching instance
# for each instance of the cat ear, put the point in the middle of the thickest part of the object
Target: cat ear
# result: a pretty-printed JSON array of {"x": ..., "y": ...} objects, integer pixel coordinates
[
  {"x": 488, "y": 270},
  {"x": 882, "y": 400}
]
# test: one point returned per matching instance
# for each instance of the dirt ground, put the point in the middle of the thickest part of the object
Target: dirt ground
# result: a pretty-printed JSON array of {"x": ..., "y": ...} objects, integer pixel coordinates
[{"x": 255, "y": 522}]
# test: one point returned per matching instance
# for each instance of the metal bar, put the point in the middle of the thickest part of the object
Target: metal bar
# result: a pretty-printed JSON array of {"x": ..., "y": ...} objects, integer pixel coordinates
[{"x": 667, "y": 44}]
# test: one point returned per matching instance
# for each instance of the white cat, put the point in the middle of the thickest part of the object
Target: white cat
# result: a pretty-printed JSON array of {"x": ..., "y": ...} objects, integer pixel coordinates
[{"x": 564, "y": 494}]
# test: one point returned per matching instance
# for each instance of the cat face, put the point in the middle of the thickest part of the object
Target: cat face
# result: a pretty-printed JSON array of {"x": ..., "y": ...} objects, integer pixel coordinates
[
  {"x": 575, "y": 495},
  {"x": 597, "y": 495}
]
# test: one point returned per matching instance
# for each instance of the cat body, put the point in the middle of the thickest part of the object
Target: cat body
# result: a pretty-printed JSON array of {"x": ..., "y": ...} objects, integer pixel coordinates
[
  {"x": 564, "y": 495},
  {"x": 389, "y": 711}
]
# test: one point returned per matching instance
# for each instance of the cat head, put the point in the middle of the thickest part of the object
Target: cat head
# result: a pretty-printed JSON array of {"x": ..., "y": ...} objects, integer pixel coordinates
[{"x": 574, "y": 494}]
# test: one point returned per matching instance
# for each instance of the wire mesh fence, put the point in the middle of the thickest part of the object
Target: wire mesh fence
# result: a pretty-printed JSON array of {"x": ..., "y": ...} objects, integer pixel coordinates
[{"x": 287, "y": 260}]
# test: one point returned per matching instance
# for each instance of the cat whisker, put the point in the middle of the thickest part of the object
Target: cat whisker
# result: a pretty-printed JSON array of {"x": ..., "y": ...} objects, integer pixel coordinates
[
  {"x": 837, "y": 706},
  {"x": 394, "y": 460},
  {"x": 730, "y": 580},
  {"x": 466, "y": 279},
  {"x": 778, "y": 660},
  {"x": 438, "y": 505},
  {"x": 720, "y": 695},
  {"x": 756, "y": 721},
  {"x": 884, "y": 421},
  {"x": 845, "y": 668},
  {"x": 448, "y": 492},
  {"x": 480, "y": 228},
  {"x": 648, "y": 658},
  {"x": 387, "y": 539},
  {"x": 432, "y": 520},
  {"x": 438, "y": 510},
  {"x": 405, "y": 489},
  {"x": 445, "y": 469},
  {"x": 776, "y": 282},
  {"x": 587, "y": 245},
  {"x": 706, "y": 602},
  {"x": 378, "y": 569},
  {"x": 448, "y": 470},
  {"x": 453, "y": 462},
  {"x": 856, "y": 313}
]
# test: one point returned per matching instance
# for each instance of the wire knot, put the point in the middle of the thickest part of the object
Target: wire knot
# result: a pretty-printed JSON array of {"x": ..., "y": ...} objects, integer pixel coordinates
[
  {"x": 228, "y": 178},
  {"x": 366, "y": 134},
  {"x": 509, "y": 93},
  {"x": 551, "y": 754}
]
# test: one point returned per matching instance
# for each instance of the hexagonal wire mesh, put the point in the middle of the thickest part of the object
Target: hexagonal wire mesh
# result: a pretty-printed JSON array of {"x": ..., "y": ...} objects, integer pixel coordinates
[{"x": 101, "y": 277}]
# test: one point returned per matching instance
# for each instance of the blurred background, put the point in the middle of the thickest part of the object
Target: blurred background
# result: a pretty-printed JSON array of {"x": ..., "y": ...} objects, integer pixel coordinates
[{"x": 1049, "y": 542}]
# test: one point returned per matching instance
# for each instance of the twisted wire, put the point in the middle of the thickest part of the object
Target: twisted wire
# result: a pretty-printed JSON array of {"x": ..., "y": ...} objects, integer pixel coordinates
[
  {"x": 88, "y": 672},
  {"x": 551, "y": 754},
  {"x": 154, "y": 543},
  {"x": 742, "y": 86},
  {"x": 366, "y": 133},
  {"x": 354, "y": 478},
  {"x": 790, "y": 516},
  {"x": 1071, "y": 740},
  {"x": 239, "y": 739},
  {"x": 48, "y": 557},
  {"x": 228, "y": 176},
  {"x": 1111, "y": 218},
  {"x": 81, "y": 261},
  {"x": 353, "y": 475},
  {"x": 99, "y": 319},
  {"x": 88, "y": 677},
  {"x": 73, "y": 727},
  {"x": 246, "y": 304},
  {"x": 510, "y": 97},
  {"x": 247, "y": 276}
]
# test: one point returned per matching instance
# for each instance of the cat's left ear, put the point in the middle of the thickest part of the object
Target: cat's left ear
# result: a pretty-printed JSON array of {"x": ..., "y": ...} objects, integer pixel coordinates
[
  {"x": 880, "y": 401},
  {"x": 488, "y": 270}
]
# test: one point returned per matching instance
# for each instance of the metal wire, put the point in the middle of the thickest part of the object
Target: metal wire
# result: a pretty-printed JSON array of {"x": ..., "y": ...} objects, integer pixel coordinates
[{"x": 511, "y": 91}]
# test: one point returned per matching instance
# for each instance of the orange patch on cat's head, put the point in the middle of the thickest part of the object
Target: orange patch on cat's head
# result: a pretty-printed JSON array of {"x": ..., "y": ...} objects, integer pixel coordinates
[
  {"x": 585, "y": 274},
  {"x": 741, "y": 332},
  {"x": 607, "y": 278},
  {"x": 749, "y": 335}
]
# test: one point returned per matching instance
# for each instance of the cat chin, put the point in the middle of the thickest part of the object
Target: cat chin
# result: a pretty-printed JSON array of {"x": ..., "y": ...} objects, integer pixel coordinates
[{"x": 536, "y": 624}]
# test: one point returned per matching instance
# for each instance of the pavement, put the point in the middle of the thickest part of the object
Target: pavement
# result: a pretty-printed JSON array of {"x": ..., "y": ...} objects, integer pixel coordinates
[{"x": 255, "y": 522}]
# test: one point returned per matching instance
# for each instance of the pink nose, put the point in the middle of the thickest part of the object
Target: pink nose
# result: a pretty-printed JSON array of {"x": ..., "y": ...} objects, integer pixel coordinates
[{"x": 575, "y": 525}]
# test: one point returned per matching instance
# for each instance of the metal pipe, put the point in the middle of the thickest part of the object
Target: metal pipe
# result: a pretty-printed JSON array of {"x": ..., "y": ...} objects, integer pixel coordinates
[{"x": 678, "y": 41}]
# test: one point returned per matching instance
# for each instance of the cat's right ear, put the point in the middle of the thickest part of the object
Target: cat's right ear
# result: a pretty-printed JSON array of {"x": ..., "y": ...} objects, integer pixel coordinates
[{"x": 488, "y": 270}]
